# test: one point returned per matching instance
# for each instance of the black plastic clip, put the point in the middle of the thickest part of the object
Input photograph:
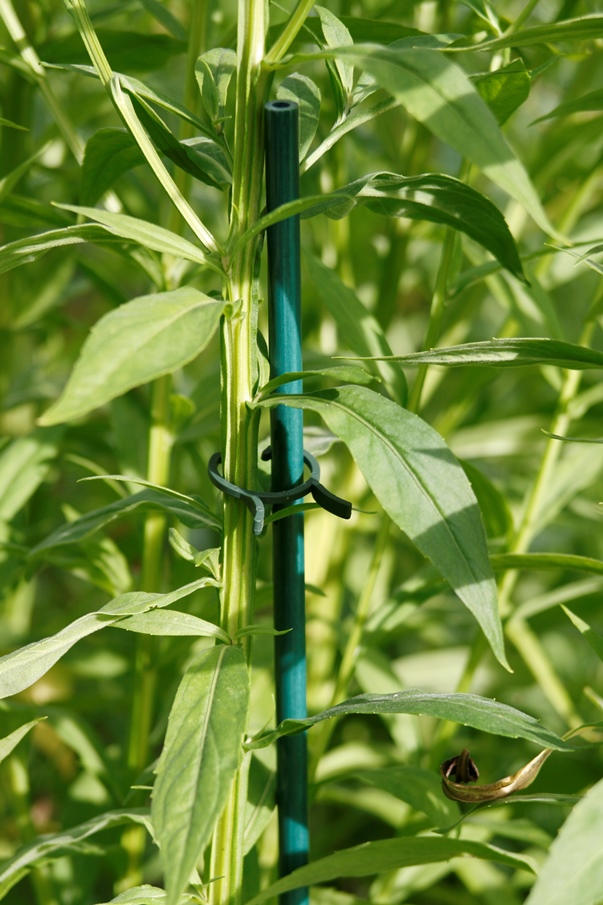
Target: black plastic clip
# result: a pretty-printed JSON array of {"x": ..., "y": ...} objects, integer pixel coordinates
[{"x": 257, "y": 501}]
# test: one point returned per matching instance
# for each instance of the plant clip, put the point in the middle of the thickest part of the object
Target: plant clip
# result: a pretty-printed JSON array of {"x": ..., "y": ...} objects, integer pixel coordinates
[{"x": 257, "y": 501}]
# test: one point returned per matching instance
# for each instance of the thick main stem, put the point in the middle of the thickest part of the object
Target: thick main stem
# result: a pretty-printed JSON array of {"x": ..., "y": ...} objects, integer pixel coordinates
[{"x": 239, "y": 426}]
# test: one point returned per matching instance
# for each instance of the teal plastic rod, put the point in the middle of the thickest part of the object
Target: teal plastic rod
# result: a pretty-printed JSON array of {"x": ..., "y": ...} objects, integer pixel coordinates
[{"x": 284, "y": 305}]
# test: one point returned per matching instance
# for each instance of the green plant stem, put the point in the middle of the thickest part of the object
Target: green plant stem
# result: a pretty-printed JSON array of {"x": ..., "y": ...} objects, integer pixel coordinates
[
  {"x": 522, "y": 17},
  {"x": 145, "y": 664},
  {"x": 38, "y": 73},
  {"x": 289, "y": 33},
  {"x": 239, "y": 425},
  {"x": 324, "y": 730}
]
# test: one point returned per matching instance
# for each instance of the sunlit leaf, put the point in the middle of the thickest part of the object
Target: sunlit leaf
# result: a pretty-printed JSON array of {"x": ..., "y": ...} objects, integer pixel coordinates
[
  {"x": 200, "y": 756},
  {"x": 306, "y": 94},
  {"x": 134, "y": 344}
]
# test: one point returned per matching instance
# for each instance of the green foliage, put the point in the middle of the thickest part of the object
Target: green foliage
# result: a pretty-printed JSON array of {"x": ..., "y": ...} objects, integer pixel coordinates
[{"x": 441, "y": 147}]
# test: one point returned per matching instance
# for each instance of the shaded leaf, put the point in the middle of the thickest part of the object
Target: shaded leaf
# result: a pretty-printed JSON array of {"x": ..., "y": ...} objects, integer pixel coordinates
[
  {"x": 593, "y": 101},
  {"x": 24, "y": 251},
  {"x": 421, "y": 486},
  {"x": 588, "y": 633},
  {"x": 546, "y": 561},
  {"x": 468, "y": 709},
  {"x": 109, "y": 154},
  {"x": 129, "y": 50},
  {"x": 306, "y": 94},
  {"x": 199, "y": 759},
  {"x": 387, "y": 855},
  {"x": 24, "y": 464},
  {"x": 338, "y": 373},
  {"x": 573, "y": 871},
  {"x": 505, "y": 90},
  {"x": 144, "y": 339},
  {"x": 420, "y": 788}
]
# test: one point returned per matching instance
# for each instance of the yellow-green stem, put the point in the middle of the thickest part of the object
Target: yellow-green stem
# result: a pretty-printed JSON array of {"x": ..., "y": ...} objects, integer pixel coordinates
[{"x": 239, "y": 425}]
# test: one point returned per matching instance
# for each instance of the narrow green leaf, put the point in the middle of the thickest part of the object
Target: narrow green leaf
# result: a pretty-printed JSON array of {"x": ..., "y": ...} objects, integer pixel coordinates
[
  {"x": 513, "y": 353},
  {"x": 546, "y": 561},
  {"x": 591, "y": 102},
  {"x": 388, "y": 855},
  {"x": 24, "y": 464},
  {"x": 421, "y": 486},
  {"x": 149, "y": 235},
  {"x": 24, "y": 251},
  {"x": 338, "y": 373},
  {"x": 440, "y": 95},
  {"x": 143, "y": 895},
  {"x": 172, "y": 622},
  {"x": 306, "y": 94},
  {"x": 21, "y": 668},
  {"x": 200, "y": 756},
  {"x": 573, "y": 871},
  {"x": 10, "y": 742},
  {"x": 505, "y": 89},
  {"x": 337, "y": 35},
  {"x": 134, "y": 344},
  {"x": 214, "y": 70},
  {"x": 260, "y": 801},
  {"x": 54, "y": 845},
  {"x": 589, "y": 634},
  {"x": 357, "y": 327},
  {"x": 432, "y": 197},
  {"x": 109, "y": 154},
  {"x": 585, "y": 28},
  {"x": 468, "y": 709},
  {"x": 11, "y": 125},
  {"x": 193, "y": 514}
]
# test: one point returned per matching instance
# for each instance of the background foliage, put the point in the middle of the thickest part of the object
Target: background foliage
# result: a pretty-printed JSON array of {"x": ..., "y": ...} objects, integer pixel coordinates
[{"x": 439, "y": 269}]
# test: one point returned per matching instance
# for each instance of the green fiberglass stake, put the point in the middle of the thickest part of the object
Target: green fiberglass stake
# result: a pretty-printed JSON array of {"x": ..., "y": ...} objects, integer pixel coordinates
[{"x": 284, "y": 300}]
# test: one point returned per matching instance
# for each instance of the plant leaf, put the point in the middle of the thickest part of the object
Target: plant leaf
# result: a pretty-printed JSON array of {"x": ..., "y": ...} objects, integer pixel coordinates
[
  {"x": 109, "y": 154},
  {"x": 24, "y": 251},
  {"x": 306, "y": 94},
  {"x": 468, "y": 709},
  {"x": 440, "y": 95},
  {"x": 339, "y": 373},
  {"x": 593, "y": 101},
  {"x": 200, "y": 756},
  {"x": 191, "y": 512},
  {"x": 172, "y": 622},
  {"x": 509, "y": 353},
  {"x": 214, "y": 70},
  {"x": 546, "y": 561},
  {"x": 55, "y": 844},
  {"x": 387, "y": 855},
  {"x": 585, "y": 28},
  {"x": 21, "y": 668},
  {"x": 505, "y": 89},
  {"x": 589, "y": 634},
  {"x": 134, "y": 344},
  {"x": 24, "y": 464},
  {"x": 337, "y": 35},
  {"x": 144, "y": 233},
  {"x": 573, "y": 871},
  {"x": 421, "y": 486},
  {"x": 420, "y": 788},
  {"x": 10, "y": 742}
]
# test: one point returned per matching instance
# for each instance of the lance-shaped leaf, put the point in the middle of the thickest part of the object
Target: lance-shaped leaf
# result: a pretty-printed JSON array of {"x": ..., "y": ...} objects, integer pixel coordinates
[
  {"x": 137, "y": 342},
  {"x": 24, "y": 251},
  {"x": 468, "y": 709},
  {"x": 505, "y": 353},
  {"x": 573, "y": 871},
  {"x": 421, "y": 486},
  {"x": 109, "y": 154},
  {"x": 23, "y": 667},
  {"x": 10, "y": 742},
  {"x": 191, "y": 512},
  {"x": 203, "y": 745},
  {"x": 53, "y": 845},
  {"x": 432, "y": 196},
  {"x": 439, "y": 94},
  {"x": 585, "y": 28},
  {"x": 302, "y": 90},
  {"x": 593, "y": 101},
  {"x": 387, "y": 855}
]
